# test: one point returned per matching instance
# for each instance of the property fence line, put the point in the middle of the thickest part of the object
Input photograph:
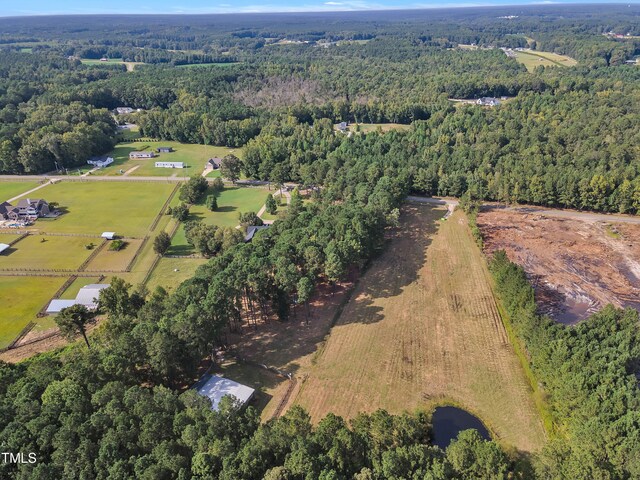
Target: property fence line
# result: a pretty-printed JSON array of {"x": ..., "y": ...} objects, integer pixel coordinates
[
  {"x": 137, "y": 254},
  {"x": 93, "y": 255},
  {"x": 154, "y": 224},
  {"x": 65, "y": 273},
  {"x": 24, "y": 235},
  {"x": 147, "y": 276},
  {"x": 28, "y": 327},
  {"x": 194, "y": 255}
]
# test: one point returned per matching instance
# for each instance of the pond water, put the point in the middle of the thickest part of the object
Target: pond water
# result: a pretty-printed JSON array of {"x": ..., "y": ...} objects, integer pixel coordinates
[{"x": 449, "y": 421}]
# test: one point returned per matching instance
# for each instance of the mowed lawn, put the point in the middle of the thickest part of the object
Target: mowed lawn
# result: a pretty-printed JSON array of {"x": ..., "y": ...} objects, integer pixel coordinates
[
  {"x": 194, "y": 156},
  {"x": 40, "y": 252},
  {"x": 422, "y": 327},
  {"x": 533, "y": 59},
  {"x": 171, "y": 272},
  {"x": 231, "y": 201},
  {"x": 13, "y": 189},
  {"x": 21, "y": 298},
  {"x": 128, "y": 208}
]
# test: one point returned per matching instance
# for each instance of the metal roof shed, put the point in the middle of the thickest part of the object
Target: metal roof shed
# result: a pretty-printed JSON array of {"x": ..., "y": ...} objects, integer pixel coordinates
[
  {"x": 3, "y": 247},
  {"x": 215, "y": 388},
  {"x": 108, "y": 235}
]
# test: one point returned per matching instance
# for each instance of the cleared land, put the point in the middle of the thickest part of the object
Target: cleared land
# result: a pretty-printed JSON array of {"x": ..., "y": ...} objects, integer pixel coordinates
[
  {"x": 21, "y": 298},
  {"x": 372, "y": 127},
  {"x": 532, "y": 59},
  {"x": 576, "y": 266},
  {"x": 194, "y": 156},
  {"x": 112, "y": 61},
  {"x": 95, "y": 207},
  {"x": 107, "y": 259},
  {"x": 422, "y": 327},
  {"x": 40, "y": 252},
  {"x": 166, "y": 276},
  {"x": 13, "y": 189},
  {"x": 231, "y": 202}
]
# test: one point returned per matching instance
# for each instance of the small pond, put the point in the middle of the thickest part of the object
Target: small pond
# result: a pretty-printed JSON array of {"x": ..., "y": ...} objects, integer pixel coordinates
[{"x": 449, "y": 421}]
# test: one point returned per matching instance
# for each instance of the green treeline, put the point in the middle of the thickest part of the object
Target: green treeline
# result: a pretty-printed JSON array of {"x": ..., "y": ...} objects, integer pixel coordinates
[{"x": 590, "y": 374}]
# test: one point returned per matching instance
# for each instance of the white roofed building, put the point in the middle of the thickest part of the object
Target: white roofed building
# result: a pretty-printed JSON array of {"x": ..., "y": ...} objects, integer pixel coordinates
[
  {"x": 87, "y": 296},
  {"x": 215, "y": 388}
]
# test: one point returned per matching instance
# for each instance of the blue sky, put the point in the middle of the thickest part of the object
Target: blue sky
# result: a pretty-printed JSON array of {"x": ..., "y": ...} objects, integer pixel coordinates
[{"x": 45, "y": 7}]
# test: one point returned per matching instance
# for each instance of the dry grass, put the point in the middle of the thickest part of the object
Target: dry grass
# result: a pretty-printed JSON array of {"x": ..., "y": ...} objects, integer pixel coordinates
[{"x": 422, "y": 327}]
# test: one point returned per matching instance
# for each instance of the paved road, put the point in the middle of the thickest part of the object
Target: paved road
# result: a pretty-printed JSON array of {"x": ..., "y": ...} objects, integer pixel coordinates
[{"x": 549, "y": 212}]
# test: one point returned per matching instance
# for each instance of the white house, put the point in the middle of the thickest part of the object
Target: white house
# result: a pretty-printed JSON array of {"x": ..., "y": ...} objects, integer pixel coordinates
[
  {"x": 215, "y": 388},
  {"x": 100, "y": 162},
  {"x": 169, "y": 164}
]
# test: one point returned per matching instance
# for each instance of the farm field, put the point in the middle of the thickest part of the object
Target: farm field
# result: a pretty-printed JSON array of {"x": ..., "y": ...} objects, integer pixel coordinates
[
  {"x": 114, "y": 260},
  {"x": 532, "y": 59},
  {"x": 21, "y": 299},
  {"x": 165, "y": 276},
  {"x": 13, "y": 189},
  {"x": 231, "y": 202},
  {"x": 194, "y": 156},
  {"x": 40, "y": 252},
  {"x": 112, "y": 61},
  {"x": 422, "y": 328},
  {"x": 577, "y": 267},
  {"x": 95, "y": 207},
  {"x": 8, "y": 237}
]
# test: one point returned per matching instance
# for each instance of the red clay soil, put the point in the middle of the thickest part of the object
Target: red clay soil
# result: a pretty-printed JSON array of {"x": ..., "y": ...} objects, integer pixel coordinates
[{"x": 576, "y": 266}]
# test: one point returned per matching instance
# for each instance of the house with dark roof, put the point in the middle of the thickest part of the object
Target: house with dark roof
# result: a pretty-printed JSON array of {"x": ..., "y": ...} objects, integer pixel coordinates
[
  {"x": 214, "y": 163},
  {"x": 4, "y": 210},
  {"x": 252, "y": 230},
  {"x": 26, "y": 209}
]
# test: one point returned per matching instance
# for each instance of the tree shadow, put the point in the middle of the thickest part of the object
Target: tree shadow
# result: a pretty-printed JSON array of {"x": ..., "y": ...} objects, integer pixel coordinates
[
  {"x": 285, "y": 343},
  {"x": 227, "y": 209}
]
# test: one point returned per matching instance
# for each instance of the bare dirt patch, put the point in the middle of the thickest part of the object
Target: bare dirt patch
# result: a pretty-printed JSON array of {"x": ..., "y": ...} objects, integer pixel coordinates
[
  {"x": 422, "y": 327},
  {"x": 576, "y": 266}
]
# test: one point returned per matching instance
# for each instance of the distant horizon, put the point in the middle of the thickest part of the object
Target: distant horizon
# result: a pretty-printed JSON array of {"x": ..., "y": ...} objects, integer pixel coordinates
[{"x": 42, "y": 8}]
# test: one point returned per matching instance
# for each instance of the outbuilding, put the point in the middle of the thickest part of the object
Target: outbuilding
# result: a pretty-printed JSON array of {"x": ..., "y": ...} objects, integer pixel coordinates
[
  {"x": 169, "y": 164},
  {"x": 87, "y": 296},
  {"x": 3, "y": 247},
  {"x": 164, "y": 149},
  {"x": 215, "y": 388},
  {"x": 108, "y": 235}
]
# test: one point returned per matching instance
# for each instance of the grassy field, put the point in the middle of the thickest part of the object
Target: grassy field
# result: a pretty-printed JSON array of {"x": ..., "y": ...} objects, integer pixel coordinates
[
  {"x": 112, "y": 61},
  {"x": 13, "y": 189},
  {"x": 532, "y": 59},
  {"x": 95, "y": 207},
  {"x": 47, "y": 253},
  {"x": 114, "y": 260},
  {"x": 231, "y": 202},
  {"x": 165, "y": 275},
  {"x": 282, "y": 208},
  {"x": 422, "y": 328},
  {"x": 194, "y": 156},
  {"x": 8, "y": 237},
  {"x": 21, "y": 298}
]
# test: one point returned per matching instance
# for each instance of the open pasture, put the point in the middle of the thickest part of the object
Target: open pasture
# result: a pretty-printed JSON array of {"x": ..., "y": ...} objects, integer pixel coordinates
[
  {"x": 231, "y": 202},
  {"x": 21, "y": 298},
  {"x": 110, "y": 260},
  {"x": 166, "y": 276},
  {"x": 422, "y": 327},
  {"x": 13, "y": 189},
  {"x": 194, "y": 156},
  {"x": 96, "y": 207},
  {"x": 40, "y": 252},
  {"x": 532, "y": 59}
]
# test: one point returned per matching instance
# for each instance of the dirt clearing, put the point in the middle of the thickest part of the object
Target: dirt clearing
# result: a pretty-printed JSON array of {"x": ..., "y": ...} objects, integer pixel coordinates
[
  {"x": 422, "y": 327},
  {"x": 576, "y": 266}
]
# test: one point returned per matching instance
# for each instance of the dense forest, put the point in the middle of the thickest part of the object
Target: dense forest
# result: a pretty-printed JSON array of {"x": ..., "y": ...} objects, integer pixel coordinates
[{"x": 569, "y": 137}]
